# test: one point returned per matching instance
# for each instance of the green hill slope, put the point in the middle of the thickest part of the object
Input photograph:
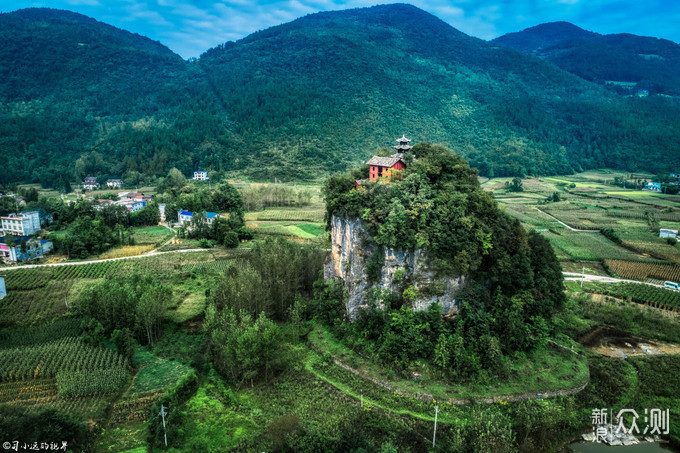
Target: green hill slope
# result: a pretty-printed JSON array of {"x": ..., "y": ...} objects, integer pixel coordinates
[
  {"x": 624, "y": 62},
  {"x": 304, "y": 99}
]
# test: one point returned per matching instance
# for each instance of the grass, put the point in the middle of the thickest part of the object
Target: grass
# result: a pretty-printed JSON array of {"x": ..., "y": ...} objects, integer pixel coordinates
[
  {"x": 155, "y": 372},
  {"x": 537, "y": 372},
  {"x": 300, "y": 230},
  {"x": 155, "y": 235},
  {"x": 192, "y": 306}
]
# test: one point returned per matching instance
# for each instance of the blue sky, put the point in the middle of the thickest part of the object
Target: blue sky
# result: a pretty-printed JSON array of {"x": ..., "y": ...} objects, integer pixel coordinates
[{"x": 191, "y": 27}]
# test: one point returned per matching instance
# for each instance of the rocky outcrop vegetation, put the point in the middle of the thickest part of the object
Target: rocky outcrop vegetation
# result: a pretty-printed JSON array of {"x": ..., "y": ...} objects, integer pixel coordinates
[{"x": 367, "y": 270}]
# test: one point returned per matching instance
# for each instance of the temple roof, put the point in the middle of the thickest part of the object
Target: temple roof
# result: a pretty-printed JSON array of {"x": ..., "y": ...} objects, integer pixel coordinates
[
  {"x": 403, "y": 139},
  {"x": 386, "y": 161}
]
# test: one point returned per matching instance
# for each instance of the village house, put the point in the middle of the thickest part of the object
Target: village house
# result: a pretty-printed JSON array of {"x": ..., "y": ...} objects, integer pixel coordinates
[
  {"x": 653, "y": 186},
  {"x": 200, "y": 175},
  {"x": 90, "y": 183},
  {"x": 184, "y": 217},
  {"x": 35, "y": 248},
  {"x": 666, "y": 233},
  {"x": 114, "y": 183},
  {"x": 23, "y": 224}
]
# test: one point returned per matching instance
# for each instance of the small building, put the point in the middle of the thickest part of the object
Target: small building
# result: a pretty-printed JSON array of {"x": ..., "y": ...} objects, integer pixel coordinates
[
  {"x": 383, "y": 167},
  {"x": 114, "y": 183},
  {"x": 161, "y": 209},
  {"x": 653, "y": 186},
  {"x": 200, "y": 175},
  {"x": 666, "y": 233},
  {"x": 90, "y": 183},
  {"x": 23, "y": 224},
  {"x": 3, "y": 290},
  {"x": 35, "y": 248},
  {"x": 184, "y": 217}
]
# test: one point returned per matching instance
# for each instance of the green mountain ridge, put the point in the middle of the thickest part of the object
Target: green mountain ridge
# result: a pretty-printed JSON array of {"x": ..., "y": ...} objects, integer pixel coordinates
[
  {"x": 624, "y": 62},
  {"x": 304, "y": 99}
]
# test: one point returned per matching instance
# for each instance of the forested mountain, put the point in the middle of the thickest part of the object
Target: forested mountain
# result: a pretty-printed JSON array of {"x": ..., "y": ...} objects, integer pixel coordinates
[
  {"x": 303, "y": 99},
  {"x": 81, "y": 97},
  {"x": 624, "y": 62}
]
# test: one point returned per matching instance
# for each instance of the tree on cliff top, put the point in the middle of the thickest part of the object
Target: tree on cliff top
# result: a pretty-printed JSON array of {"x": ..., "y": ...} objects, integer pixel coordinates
[{"x": 515, "y": 278}]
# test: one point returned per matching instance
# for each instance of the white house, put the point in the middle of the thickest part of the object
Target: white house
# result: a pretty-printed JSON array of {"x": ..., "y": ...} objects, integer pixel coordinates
[
  {"x": 114, "y": 183},
  {"x": 666, "y": 233},
  {"x": 24, "y": 224},
  {"x": 90, "y": 183},
  {"x": 184, "y": 217},
  {"x": 3, "y": 291},
  {"x": 200, "y": 175}
]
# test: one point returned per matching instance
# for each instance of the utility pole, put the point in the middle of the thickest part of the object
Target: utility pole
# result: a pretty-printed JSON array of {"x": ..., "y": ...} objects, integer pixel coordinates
[
  {"x": 583, "y": 275},
  {"x": 162, "y": 413},
  {"x": 362, "y": 398},
  {"x": 434, "y": 436}
]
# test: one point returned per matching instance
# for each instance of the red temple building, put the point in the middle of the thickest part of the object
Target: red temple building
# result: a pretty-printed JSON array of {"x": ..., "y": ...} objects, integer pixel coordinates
[{"x": 383, "y": 167}]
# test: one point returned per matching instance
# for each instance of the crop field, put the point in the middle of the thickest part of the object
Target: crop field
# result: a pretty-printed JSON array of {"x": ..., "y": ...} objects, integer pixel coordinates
[
  {"x": 127, "y": 250},
  {"x": 289, "y": 215},
  {"x": 300, "y": 230},
  {"x": 68, "y": 354},
  {"x": 642, "y": 271},
  {"x": 659, "y": 250},
  {"x": 638, "y": 293},
  {"x": 155, "y": 235},
  {"x": 587, "y": 246}
]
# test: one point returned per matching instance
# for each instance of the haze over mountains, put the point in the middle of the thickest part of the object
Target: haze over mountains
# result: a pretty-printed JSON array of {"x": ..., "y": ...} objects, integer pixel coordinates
[{"x": 314, "y": 96}]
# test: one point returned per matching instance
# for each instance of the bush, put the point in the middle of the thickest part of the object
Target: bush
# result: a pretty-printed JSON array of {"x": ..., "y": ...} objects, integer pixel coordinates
[{"x": 231, "y": 240}]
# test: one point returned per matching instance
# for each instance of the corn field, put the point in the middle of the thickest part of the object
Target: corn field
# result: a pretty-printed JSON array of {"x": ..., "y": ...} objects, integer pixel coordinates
[
  {"x": 91, "y": 383},
  {"x": 642, "y": 271},
  {"x": 69, "y": 354}
]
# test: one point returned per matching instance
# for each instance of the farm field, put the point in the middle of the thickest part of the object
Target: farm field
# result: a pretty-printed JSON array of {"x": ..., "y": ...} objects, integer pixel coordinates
[{"x": 631, "y": 249}]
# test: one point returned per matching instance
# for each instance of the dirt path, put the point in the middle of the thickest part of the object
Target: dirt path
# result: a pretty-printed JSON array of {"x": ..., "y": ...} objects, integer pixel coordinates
[
  {"x": 565, "y": 225},
  {"x": 457, "y": 401},
  {"x": 574, "y": 276}
]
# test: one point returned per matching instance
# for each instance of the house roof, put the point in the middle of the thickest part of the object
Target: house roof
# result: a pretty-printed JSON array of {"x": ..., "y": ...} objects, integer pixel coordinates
[
  {"x": 200, "y": 171},
  {"x": 386, "y": 161},
  {"x": 208, "y": 215}
]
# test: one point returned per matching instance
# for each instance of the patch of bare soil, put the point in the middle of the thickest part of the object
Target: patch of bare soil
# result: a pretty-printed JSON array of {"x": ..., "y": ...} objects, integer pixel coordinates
[{"x": 616, "y": 343}]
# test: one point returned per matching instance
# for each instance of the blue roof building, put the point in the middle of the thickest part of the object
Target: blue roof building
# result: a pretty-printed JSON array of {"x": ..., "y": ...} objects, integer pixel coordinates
[{"x": 184, "y": 217}]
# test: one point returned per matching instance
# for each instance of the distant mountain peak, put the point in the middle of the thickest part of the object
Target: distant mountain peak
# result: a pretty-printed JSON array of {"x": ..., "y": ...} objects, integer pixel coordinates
[{"x": 544, "y": 35}]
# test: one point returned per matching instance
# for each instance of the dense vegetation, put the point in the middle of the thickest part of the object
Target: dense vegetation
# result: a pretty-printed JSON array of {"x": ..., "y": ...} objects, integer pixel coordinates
[
  {"x": 438, "y": 205},
  {"x": 623, "y": 62},
  {"x": 303, "y": 99}
]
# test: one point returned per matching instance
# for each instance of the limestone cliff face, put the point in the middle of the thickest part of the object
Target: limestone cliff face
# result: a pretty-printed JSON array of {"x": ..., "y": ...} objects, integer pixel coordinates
[{"x": 352, "y": 247}]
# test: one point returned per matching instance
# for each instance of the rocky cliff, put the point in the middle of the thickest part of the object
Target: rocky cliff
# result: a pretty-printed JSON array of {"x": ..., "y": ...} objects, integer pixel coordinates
[{"x": 351, "y": 250}]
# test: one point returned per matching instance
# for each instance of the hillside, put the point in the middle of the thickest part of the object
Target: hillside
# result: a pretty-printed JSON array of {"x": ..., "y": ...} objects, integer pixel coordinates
[
  {"x": 78, "y": 97},
  {"x": 304, "y": 99},
  {"x": 624, "y": 62},
  {"x": 542, "y": 36}
]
